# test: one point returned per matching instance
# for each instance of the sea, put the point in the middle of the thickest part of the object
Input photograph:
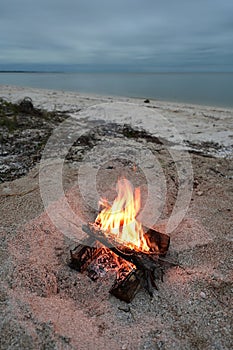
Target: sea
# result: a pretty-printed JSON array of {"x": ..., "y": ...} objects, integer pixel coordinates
[{"x": 212, "y": 89}]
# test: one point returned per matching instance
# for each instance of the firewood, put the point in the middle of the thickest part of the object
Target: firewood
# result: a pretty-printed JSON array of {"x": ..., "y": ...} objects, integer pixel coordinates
[
  {"x": 147, "y": 266},
  {"x": 83, "y": 254},
  {"x": 142, "y": 260},
  {"x": 157, "y": 241},
  {"x": 127, "y": 288}
]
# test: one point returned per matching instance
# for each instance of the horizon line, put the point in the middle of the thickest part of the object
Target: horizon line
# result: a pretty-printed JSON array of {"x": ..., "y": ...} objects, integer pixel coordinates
[{"x": 113, "y": 71}]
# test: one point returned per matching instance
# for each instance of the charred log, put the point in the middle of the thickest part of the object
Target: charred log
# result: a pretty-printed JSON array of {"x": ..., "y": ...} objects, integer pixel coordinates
[
  {"x": 149, "y": 266},
  {"x": 146, "y": 266},
  {"x": 157, "y": 241},
  {"x": 143, "y": 261},
  {"x": 127, "y": 288},
  {"x": 83, "y": 254}
]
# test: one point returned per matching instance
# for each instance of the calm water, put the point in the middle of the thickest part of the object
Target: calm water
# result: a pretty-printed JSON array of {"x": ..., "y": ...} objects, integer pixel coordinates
[{"x": 215, "y": 89}]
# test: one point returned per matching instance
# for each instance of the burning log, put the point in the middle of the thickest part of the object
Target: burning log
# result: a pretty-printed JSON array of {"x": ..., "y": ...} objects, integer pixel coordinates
[
  {"x": 83, "y": 254},
  {"x": 143, "y": 261},
  {"x": 138, "y": 252},
  {"x": 149, "y": 265},
  {"x": 157, "y": 241}
]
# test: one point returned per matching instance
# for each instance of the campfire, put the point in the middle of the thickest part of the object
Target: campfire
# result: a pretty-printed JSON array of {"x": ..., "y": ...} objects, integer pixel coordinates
[
  {"x": 118, "y": 220},
  {"x": 118, "y": 241}
]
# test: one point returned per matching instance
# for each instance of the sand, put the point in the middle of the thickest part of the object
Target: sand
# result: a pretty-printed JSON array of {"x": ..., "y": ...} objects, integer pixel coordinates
[
  {"x": 195, "y": 123},
  {"x": 47, "y": 305}
]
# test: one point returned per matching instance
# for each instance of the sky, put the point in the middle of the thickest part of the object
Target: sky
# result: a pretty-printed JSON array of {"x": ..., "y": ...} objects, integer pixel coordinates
[{"x": 140, "y": 35}]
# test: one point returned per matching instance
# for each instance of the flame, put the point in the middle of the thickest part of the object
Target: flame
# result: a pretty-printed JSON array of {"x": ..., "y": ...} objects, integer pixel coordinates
[{"x": 119, "y": 220}]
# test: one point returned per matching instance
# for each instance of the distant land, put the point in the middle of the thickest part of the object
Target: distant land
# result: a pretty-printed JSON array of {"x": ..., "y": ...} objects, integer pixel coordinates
[{"x": 107, "y": 68}]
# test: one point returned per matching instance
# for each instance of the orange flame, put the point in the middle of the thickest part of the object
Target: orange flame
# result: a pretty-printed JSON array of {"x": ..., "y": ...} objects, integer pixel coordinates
[{"x": 119, "y": 219}]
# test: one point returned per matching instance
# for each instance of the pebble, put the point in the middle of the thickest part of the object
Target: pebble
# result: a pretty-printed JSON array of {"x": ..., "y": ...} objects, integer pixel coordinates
[
  {"x": 124, "y": 347},
  {"x": 199, "y": 193},
  {"x": 202, "y": 295}
]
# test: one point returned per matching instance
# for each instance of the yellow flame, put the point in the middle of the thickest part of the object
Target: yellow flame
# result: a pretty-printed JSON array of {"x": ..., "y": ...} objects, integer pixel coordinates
[{"x": 120, "y": 218}]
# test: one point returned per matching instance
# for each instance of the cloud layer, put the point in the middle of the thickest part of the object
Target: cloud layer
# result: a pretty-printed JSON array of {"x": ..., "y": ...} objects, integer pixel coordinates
[{"x": 148, "y": 34}]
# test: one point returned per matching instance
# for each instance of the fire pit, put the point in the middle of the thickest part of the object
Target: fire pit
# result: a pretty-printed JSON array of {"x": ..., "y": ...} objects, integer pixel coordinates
[{"x": 117, "y": 240}]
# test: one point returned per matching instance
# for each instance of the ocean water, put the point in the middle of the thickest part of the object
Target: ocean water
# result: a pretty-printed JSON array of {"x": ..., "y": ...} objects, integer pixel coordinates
[{"x": 213, "y": 89}]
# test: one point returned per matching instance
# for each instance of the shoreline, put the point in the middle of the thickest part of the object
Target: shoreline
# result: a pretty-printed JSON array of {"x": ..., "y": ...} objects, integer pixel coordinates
[
  {"x": 206, "y": 129},
  {"x": 13, "y": 91}
]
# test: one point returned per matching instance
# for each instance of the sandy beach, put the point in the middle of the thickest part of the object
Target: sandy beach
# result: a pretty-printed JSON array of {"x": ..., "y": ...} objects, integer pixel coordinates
[{"x": 181, "y": 157}]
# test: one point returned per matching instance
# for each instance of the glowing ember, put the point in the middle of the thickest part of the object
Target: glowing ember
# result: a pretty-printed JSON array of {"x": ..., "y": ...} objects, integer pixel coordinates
[{"x": 119, "y": 220}]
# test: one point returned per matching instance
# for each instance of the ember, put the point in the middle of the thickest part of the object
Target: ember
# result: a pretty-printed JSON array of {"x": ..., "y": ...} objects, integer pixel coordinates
[{"x": 117, "y": 241}]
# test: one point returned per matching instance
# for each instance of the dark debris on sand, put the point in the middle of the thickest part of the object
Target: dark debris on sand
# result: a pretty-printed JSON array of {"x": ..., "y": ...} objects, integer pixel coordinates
[{"x": 24, "y": 131}]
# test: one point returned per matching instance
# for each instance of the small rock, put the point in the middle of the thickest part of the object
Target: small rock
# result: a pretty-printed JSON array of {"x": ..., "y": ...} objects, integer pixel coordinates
[
  {"x": 202, "y": 295},
  {"x": 199, "y": 193},
  {"x": 124, "y": 347}
]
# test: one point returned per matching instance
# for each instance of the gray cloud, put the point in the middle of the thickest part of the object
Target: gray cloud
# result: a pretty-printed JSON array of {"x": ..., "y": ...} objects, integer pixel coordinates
[{"x": 145, "y": 33}]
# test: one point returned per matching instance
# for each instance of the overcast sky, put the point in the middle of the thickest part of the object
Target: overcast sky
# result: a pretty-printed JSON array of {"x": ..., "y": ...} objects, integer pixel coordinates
[{"x": 146, "y": 34}]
